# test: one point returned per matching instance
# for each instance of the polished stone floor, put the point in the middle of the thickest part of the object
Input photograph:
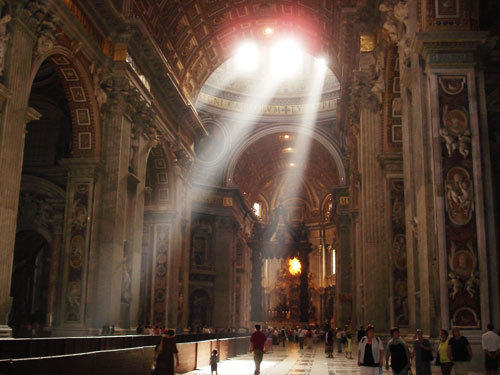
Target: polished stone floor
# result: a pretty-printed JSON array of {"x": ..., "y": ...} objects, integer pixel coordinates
[{"x": 288, "y": 361}]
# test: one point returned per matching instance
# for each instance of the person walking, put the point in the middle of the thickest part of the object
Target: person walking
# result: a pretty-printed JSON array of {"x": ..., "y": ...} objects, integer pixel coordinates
[
  {"x": 370, "y": 353},
  {"x": 302, "y": 334},
  {"x": 491, "y": 346},
  {"x": 213, "y": 362},
  {"x": 165, "y": 354},
  {"x": 422, "y": 351},
  {"x": 269, "y": 341},
  {"x": 339, "y": 340},
  {"x": 398, "y": 352},
  {"x": 283, "y": 336},
  {"x": 460, "y": 352},
  {"x": 444, "y": 360},
  {"x": 257, "y": 345},
  {"x": 348, "y": 348},
  {"x": 329, "y": 343},
  {"x": 361, "y": 333}
]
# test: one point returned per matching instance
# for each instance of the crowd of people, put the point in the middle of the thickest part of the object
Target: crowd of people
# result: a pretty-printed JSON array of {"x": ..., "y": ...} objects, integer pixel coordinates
[{"x": 452, "y": 352}]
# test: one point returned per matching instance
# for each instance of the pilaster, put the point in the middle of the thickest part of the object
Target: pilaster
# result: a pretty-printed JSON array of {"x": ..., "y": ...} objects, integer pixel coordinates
[
  {"x": 14, "y": 115},
  {"x": 71, "y": 317},
  {"x": 459, "y": 255}
]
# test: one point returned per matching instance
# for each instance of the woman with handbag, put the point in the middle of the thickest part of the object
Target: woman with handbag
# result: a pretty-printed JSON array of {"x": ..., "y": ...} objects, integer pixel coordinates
[
  {"x": 422, "y": 351},
  {"x": 442, "y": 354}
]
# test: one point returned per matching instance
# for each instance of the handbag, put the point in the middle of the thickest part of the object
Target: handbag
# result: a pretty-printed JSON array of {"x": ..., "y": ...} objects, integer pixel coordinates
[
  {"x": 438, "y": 360},
  {"x": 427, "y": 355}
]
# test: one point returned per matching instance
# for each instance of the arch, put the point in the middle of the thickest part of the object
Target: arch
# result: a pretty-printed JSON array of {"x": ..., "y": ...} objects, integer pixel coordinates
[
  {"x": 80, "y": 95},
  {"x": 325, "y": 140}
]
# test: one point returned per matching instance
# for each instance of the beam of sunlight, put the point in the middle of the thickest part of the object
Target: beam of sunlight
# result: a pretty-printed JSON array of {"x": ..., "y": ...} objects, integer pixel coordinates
[{"x": 297, "y": 161}]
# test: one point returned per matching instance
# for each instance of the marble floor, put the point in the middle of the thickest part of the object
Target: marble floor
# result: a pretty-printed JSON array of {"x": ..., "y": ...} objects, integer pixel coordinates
[{"x": 288, "y": 361}]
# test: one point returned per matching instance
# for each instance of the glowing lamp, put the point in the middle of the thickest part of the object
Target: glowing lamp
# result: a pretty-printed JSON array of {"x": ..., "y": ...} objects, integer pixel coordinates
[
  {"x": 268, "y": 31},
  {"x": 294, "y": 266}
]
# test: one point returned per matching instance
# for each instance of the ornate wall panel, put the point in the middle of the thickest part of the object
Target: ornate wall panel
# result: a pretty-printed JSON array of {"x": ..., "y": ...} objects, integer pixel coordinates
[
  {"x": 460, "y": 216},
  {"x": 438, "y": 15},
  {"x": 393, "y": 129},
  {"x": 160, "y": 274},
  {"x": 78, "y": 244},
  {"x": 399, "y": 260}
]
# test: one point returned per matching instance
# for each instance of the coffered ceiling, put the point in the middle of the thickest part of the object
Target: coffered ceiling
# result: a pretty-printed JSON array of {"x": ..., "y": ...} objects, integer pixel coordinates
[
  {"x": 265, "y": 168},
  {"x": 197, "y": 36}
]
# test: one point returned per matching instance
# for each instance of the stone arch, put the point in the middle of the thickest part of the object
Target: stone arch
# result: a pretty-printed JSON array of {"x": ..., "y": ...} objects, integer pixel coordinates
[
  {"x": 239, "y": 148},
  {"x": 85, "y": 115}
]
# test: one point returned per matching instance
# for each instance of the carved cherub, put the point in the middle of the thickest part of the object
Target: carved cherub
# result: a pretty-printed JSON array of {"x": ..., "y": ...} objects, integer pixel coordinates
[
  {"x": 451, "y": 144},
  {"x": 471, "y": 283},
  {"x": 454, "y": 284},
  {"x": 452, "y": 194},
  {"x": 463, "y": 143}
]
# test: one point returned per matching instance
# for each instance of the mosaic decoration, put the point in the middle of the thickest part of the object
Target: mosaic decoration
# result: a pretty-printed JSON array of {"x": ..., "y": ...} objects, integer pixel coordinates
[
  {"x": 78, "y": 245},
  {"x": 460, "y": 221},
  {"x": 399, "y": 269},
  {"x": 160, "y": 275}
]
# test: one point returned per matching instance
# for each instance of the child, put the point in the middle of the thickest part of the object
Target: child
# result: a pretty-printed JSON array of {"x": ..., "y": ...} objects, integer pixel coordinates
[
  {"x": 348, "y": 350},
  {"x": 213, "y": 362}
]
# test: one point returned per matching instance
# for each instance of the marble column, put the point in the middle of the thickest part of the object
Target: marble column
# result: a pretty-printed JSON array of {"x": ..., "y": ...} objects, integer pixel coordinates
[
  {"x": 305, "y": 298},
  {"x": 113, "y": 202},
  {"x": 14, "y": 95},
  {"x": 372, "y": 202},
  {"x": 256, "y": 293},
  {"x": 225, "y": 234},
  {"x": 57, "y": 241}
]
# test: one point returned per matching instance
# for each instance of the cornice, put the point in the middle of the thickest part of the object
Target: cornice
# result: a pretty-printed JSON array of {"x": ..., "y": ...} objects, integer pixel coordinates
[{"x": 450, "y": 46}]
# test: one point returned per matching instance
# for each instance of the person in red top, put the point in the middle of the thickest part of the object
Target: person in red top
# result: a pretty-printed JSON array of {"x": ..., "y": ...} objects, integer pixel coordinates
[{"x": 257, "y": 345}]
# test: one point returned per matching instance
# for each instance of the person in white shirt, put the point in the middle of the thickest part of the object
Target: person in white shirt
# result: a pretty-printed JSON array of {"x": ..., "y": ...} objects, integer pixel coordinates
[
  {"x": 302, "y": 335},
  {"x": 491, "y": 347}
]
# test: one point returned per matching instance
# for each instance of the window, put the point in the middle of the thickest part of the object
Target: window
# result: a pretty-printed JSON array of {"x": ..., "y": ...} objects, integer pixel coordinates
[{"x": 257, "y": 208}]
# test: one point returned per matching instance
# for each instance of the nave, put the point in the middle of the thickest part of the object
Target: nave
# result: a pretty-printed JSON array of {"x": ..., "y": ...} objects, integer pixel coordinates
[{"x": 288, "y": 361}]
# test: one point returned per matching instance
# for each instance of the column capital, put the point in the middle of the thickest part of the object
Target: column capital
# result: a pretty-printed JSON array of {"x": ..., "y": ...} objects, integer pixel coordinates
[{"x": 82, "y": 167}]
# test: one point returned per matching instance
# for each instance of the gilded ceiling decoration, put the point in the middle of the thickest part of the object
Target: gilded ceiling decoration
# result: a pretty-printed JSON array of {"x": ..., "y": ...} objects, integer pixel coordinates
[{"x": 197, "y": 36}]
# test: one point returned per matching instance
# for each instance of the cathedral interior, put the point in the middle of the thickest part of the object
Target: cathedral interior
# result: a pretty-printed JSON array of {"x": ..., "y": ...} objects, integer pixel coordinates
[{"x": 220, "y": 163}]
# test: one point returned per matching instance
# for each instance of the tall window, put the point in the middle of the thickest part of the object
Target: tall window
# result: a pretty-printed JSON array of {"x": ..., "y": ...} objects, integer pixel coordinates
[{"x": 257, "y": 208}]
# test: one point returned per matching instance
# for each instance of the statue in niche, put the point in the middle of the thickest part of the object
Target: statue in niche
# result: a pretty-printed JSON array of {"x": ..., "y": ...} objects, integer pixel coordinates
[{"x": 126, "y": 295}]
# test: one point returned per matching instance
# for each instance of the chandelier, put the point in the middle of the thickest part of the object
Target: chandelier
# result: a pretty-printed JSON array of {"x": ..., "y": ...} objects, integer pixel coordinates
[{"x": 294, "y": 266}]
